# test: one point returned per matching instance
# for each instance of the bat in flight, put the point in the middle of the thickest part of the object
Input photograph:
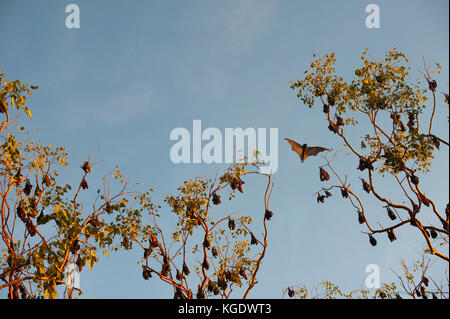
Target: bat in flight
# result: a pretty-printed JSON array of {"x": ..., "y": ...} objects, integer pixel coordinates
[{"x": 304, "y": 150}]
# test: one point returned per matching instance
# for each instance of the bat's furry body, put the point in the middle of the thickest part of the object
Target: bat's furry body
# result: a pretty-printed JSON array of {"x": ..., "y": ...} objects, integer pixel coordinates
[{"x": 304, "y": 150}]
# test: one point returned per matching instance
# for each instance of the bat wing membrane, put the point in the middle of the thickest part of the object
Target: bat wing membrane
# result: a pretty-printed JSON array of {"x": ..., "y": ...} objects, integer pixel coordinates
[
  {"x": 297, "y": 148},
  {"x": 312, "y": 151}
]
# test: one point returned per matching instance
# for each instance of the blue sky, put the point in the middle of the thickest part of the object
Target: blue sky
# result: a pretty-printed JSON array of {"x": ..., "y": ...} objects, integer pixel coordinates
[{"x": 135, "y": 70}]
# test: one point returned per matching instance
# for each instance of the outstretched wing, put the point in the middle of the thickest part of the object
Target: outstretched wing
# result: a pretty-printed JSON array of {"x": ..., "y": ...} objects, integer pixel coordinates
[
  {"x": 313, "y": 151},
  {"x": 297, "y": 148}
]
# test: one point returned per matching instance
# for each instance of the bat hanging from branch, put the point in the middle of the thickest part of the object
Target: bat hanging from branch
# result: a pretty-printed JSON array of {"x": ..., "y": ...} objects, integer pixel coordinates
[{"x": 304, "y": 150}]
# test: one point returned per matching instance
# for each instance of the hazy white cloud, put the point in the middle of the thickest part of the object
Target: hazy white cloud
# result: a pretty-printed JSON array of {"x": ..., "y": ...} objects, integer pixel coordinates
[
  {"x": 119, "y": 107},
  {"x": 236, "y": 25},
  {"x": 123, "y": 107},
  {"x": 242, "y": 22}
]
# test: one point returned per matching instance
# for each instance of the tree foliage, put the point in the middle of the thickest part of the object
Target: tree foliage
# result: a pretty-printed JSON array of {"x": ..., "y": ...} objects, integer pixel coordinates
[
  {"x": 382, "y": 95},
  {"x": 45, "y": 227},
  {"x": 414, "y": 283},
  {"x": 48, "y": 226},
  {"x": 204, "y": 254},
  {"x": 48, "y": 229},
  {"x": 376, "y": 104}
]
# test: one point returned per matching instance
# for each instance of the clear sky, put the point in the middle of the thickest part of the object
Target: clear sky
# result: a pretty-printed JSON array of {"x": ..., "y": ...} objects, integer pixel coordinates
[{"x": 135, "y": 70}]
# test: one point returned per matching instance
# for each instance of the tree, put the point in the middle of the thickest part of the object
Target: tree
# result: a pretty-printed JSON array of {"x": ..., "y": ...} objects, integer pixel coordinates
[
  {"x": 413, "y": 283},
  {"x": 45, "y": 226},
  {"x": 47, "y": 229},
  {"x": 377, "y": 102},
  {"x": 218, "y": 249}
]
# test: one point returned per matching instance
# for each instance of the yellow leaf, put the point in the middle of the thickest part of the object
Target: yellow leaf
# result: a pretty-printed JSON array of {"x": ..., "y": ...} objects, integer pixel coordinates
[
  {"x": 27, "y": 110},
  {"x": 90, "y": 262}
]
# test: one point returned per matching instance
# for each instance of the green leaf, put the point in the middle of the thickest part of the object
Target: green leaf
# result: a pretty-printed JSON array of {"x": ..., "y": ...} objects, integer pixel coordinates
[{"x": 44, "y": 220}]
